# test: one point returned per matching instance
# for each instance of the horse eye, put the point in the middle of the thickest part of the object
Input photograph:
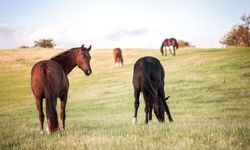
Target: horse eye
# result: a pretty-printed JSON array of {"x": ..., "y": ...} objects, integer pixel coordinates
[{"x": 83, "y": 56}]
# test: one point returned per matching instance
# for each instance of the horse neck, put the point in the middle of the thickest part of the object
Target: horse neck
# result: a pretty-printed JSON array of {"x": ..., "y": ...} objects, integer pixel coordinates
[{"x": 67, "y": 60}]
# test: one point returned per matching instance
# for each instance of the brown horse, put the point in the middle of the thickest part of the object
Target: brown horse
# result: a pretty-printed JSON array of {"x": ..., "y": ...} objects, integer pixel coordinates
[
  {"x": 118, "y": 59},
  {"x": 148, "y": 78},
  {"x": 169, "y": 42},
  {"x": 49, "y": 80}
]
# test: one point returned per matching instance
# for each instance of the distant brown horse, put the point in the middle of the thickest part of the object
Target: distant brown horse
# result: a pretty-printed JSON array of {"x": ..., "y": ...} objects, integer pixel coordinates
[
  {"x": 118, "y": 59},
  {"x": 167, "y": 43},
  {"x": 148, "y": 78},
  {"x": 49, "y": 80}
]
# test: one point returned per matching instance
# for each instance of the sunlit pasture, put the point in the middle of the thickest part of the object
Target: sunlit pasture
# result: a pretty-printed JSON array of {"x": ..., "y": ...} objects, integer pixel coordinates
[{"x": 209, "y": 101}]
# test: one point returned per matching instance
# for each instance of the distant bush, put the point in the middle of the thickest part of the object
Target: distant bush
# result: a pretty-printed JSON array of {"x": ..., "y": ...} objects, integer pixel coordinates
[
  {"x": 182, "y": 44},
  {"x": 45, "y": 43},
  {"x": 24, "y": 46}
]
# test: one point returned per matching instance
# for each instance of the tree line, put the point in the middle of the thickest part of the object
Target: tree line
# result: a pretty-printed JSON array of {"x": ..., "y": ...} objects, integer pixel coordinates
[{"x": 49, "y": 43}]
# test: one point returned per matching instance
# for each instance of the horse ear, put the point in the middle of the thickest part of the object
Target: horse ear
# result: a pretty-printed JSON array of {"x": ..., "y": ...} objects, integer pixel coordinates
[
  {"x": 89, "y": 48},
  {"x": 82, "y": 47},
  {"x": 167, "y": 98}
]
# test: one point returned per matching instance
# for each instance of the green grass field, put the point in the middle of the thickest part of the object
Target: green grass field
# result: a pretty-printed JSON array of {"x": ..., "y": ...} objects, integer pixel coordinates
[{"x": 210, "y": 102}]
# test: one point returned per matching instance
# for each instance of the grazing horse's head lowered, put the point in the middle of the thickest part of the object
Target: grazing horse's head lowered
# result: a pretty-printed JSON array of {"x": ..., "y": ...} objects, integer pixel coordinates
[
  {"x": 167, "y": 43},
  {"x": 148, "y": 79},
  {"x": 83, "y": 60},
  {"x": 159, "y": 110}
]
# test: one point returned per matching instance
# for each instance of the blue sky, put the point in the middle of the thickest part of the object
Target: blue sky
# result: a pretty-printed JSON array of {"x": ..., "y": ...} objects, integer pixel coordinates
[{"x": 118, "y": 23}]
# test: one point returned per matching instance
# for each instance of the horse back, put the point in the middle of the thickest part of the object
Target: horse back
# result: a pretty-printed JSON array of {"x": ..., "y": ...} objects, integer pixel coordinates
[
  {"x": 148, "y": 74},
  {"x": 48, "y": 76}
]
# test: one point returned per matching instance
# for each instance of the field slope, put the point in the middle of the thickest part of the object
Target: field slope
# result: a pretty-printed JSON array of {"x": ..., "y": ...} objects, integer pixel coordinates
[{"x": 209, "y": 99}]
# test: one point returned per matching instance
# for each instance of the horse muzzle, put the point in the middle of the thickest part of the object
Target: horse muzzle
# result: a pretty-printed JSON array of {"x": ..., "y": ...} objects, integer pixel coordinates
[{"x": 88, "y": 72}]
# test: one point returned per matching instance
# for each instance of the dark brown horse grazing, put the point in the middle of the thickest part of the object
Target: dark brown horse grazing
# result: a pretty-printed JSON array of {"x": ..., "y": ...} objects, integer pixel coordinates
[
  {"x": 148, "y": 78},
  {"x": 118, "y": 59},
  {"x": 167, "y": 43},
  {"x": 49, "y": 80}
]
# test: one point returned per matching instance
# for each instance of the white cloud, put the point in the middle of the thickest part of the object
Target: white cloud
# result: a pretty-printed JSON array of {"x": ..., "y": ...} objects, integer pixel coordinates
[
  {"x": 118, "y": 23},
  {"x": 65, "y": 37},
  {"x": 12, "y": 37},
  {"x": 100, "y": 36}
]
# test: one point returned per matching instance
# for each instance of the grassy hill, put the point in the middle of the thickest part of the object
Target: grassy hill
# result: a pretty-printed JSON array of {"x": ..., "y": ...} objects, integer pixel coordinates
[{"x": 209, "y": 101}]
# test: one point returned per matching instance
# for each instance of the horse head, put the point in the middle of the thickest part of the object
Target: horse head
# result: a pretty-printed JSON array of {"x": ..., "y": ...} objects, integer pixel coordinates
[
  {"x": 159, "y": 110},
  {"x": 83, "y": 60}
]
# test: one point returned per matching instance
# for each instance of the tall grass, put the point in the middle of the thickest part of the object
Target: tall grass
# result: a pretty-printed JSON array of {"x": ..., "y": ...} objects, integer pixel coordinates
[{"x": 209, "y": 100}]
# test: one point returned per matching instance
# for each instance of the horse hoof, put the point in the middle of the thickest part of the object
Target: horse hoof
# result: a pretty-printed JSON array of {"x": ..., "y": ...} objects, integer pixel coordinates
[
  {"x": 41, "y": 132},
  {"x": 134, "y": 121},
  {"x": 47, "y": 130},
  {"x": 116, "y": 65},
  {"x": 120, "y": 65},
  {"x": 150, "y": 122}
]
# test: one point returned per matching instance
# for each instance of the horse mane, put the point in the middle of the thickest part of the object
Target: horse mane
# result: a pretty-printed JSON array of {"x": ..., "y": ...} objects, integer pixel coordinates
[
  {"x": 64, "y": 54},
  {"x": 66, "y": 59}
]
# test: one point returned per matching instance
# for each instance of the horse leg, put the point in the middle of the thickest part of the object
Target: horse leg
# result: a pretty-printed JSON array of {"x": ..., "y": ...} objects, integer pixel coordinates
[
  {"x": 116, "y": 61},
  {"x": 39, "y": 105},
  {"x": 162, "y": 96},
  {"x": 170, "y": 50},
  {"x": 121, "y": 62},
  {"x": 174, "y": 50},
  {"x": 166, "y": 51},
  {"x": 63, "y": 106},
  {"x": 146, "y": 113},
  {"x": 161, "y": 50},
  {"x": 136, "y": 104},
  {"x": 150, "y": 114},
  {"x": 169, "y": 115}
]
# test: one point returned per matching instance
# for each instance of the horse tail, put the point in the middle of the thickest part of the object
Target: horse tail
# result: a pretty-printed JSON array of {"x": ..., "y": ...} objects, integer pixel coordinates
[
  {"x": 162, "y": 45},
  {"x": 50, "y": 97},
  {"x": 146, "y": 84}
]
